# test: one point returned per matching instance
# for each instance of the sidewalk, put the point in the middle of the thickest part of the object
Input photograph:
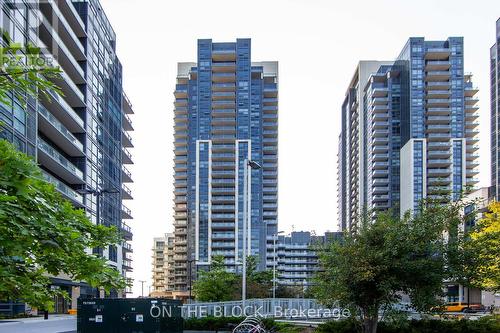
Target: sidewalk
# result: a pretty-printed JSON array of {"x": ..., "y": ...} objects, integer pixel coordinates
[{"x": 52, "y": 317}]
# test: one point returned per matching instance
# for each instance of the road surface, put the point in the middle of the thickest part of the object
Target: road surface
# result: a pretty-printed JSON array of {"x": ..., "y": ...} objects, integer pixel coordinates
[{"x": 55, "y": 324}]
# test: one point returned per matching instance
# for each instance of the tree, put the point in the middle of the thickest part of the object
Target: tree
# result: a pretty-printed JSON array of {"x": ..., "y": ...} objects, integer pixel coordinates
[
  {"x": 482, "y": 247},
  {"x": 369, "y": 269},
  {"x": 42, "y": 234},
  {"x": 215, "y": 284}
]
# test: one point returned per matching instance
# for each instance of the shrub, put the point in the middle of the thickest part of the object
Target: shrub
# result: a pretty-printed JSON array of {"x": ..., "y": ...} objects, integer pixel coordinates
[{"x": 483, "y": 325}]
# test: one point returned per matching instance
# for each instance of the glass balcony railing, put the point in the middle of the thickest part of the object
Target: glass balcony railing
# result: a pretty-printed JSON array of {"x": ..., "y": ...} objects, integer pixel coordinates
[
  {"x": 59, "y": 126},
  {"x": 64, "y": 105},
  {"x": 63, "y": 188},
  {"x": 63, "y": 161}
]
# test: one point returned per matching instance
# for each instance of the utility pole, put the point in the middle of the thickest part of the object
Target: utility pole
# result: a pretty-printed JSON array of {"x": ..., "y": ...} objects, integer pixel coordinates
[{"x": 142, "y": 287}]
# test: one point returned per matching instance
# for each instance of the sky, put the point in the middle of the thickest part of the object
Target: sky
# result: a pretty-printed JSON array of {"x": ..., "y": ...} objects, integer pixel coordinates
[{"x": 317, "y": 44}]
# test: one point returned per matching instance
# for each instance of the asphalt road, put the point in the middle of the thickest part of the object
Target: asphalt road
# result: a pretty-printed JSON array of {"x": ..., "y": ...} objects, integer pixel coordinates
[{"x": 66, "y": 324}]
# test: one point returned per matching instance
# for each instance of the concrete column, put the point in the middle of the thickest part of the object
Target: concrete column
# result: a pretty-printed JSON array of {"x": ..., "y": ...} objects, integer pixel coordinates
[{"x": 75, "y": 293}]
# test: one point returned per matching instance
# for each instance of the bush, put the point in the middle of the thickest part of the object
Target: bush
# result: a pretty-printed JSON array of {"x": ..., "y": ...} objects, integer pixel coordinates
[{"x": 484, "y": 325}]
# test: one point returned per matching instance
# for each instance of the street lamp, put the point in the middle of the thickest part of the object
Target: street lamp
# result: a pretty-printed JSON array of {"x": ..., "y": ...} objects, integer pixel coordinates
[
  {"x": 246, "y": 189},
  {"x": 98, "y": 194},
  {"x": 274, "y": 262}
]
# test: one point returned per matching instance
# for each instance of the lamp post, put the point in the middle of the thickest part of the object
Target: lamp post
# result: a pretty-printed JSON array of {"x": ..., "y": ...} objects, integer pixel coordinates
[
  {"x": 246, "y": 189},
  {"x": 274, "y": 262},
  {"x": 98, "y": 194}
]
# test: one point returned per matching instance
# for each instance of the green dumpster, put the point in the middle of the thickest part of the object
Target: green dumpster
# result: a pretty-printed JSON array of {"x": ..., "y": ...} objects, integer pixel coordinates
[{"x": 129, "y": 315}]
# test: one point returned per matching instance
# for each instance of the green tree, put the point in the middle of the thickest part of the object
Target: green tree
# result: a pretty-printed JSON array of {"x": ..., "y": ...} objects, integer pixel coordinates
[
  {"x": 369, "y": 269},
  {"x": 215, "y": 284},
  {"x": 42, "y": 234},
  {"x": 482, "y": 249}
]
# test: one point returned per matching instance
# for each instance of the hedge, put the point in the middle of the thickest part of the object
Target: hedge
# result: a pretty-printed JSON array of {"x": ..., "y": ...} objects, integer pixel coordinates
[{"x": 483, "y": 325}]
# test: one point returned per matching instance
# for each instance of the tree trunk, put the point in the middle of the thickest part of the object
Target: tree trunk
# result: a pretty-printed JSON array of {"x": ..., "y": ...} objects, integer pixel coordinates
[{"x": 370, "y": 324}]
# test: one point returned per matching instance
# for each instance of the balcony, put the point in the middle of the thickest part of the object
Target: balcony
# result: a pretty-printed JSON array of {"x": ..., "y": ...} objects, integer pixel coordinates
[
  {"x": 65, "y": 113},
  {"x": 126, "y": 231},
  {"x": 437, "y": 54},
  {"x": 223, "y": 87},
  {"x": 437, "y": 85},
  {"x": 126, "y": 175},
  {"x": 65, "y": 29},
  {"x": 126, "y": 156},
  {"x": 438, "y": 102},
  {"x": 380, "y": 173},
  {"x": 127, "y": 247},
  {"x": 437, "y": 76},
  {"x": 436, "y": 94},
  {"x": 218, "y": 67},
  {"x": 223, "y": 95},
  {"x": 431, "y": 128},
  {"x": 223, "y": 235},
  {"x": 127, "y": 123},
  {"x": 71, "y": 91},
  {"x": 437, "y": 65},
  {"x": 126, "y": 193},
  {"x": 221, "y": 55},
  {"x": 438, "y": 172},
  {"x": 380, "y": 92},
  {"x": 439, "y": 154},
  {"x": 438, "y": 163},
  {"x": 58, "y": 48},
  {"x": 126, "y": 213},
  {"x": 50, "y": 158},
  {"x": 53, "y": 128},
  {"x": 435, "y": 111},
  {"x": 438, "y": 136},
  {"x": 443, "y": 180},
  {"x": 127, "y": 140},
  {"x": 66, "y": 191},
  {"x": 127, "y": 106},
  {"x": 435, "y": 120},
  {"x": 380, "y": 124},
  {"x": 223, "y": 77},
  {"x": 471, "y": 101}
]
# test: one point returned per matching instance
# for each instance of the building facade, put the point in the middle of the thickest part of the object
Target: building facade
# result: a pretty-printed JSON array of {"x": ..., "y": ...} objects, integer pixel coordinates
[
  {"x": 226, "y": 113},
  {"x": 80, "y": 139},
  {"x": 411, "y": 123},
  {"x": 351, "y": 165},
  {"x": 495, "y": 113},
  {"x": 297, "y": 258},
  {"x": 163, "y": 252}
]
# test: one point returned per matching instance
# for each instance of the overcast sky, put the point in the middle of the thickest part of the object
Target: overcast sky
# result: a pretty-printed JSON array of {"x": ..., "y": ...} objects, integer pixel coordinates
[{"x": 317, "y": 44}]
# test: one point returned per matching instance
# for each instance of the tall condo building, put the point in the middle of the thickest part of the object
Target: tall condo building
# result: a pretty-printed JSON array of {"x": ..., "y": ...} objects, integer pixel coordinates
[
  {"x": 351, "y": 167},
  {"x": 226, "y": 113},
  {"x": 80, "y": 139},
  {"x": 495, "y": 114},
  {"x": 415, "y": 122}
]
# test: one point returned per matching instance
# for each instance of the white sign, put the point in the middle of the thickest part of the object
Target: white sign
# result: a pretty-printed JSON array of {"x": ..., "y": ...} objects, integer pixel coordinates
[
  {"x": 98, "y": 318},
  {"x": 139, "y": 318}
]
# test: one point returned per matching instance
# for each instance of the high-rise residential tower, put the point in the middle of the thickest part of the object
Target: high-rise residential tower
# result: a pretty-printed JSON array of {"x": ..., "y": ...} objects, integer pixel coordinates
[
  {"x": 351, "y": 167},
  {"x": 416, "y": 130},
  {"x": 495, "y": 114},
  {"x": 80, "y": 139},
  {"x": 226, "y": 113}
]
